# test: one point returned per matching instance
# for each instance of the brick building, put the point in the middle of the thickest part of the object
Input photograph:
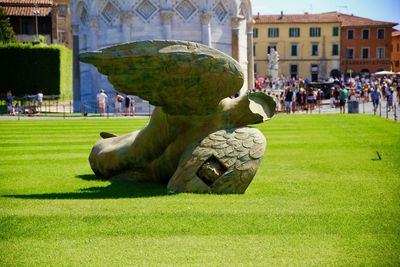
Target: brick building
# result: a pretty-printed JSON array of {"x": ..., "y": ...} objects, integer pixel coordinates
[
  {"x": 63, "y": 22},
  {"x": 396, "y": 51},
  {"x": 366, "y": 45}
]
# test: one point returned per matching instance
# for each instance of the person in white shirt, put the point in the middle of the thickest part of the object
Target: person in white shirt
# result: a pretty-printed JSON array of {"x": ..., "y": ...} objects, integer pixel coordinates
[
  {"x": 40, "y": 100},
  {"x": 101, "y": 100}
]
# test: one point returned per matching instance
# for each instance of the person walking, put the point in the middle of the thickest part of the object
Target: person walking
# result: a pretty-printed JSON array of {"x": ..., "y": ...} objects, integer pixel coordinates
[
  {"x": 344, "y": 93},
  {"x": 310, "y": 100},
  {"x": 101, "y": 100},
  {"x": 389, "y": 99},
  {"x": 375, "y": 97},
  {"x": 9, "y": 100},
  {"x": 40, "y": 100},
  {"x": 288, "y": 100},
  {"x": 118, "y": 102},
  {"x": 127, "y": 105}
]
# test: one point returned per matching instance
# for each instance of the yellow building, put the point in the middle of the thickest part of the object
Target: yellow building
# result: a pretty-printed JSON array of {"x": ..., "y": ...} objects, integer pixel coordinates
[{"x": 308, "y": 45}]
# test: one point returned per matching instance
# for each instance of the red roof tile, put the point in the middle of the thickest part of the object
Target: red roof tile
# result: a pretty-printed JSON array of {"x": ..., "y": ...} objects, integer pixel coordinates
[
  {"x": 297, "y": 18},
  {"x": 329, "y": 17},
  {"x": 25, "y": 11},
  {"x": 354, "y": 21},
  {"x": 27, "y": 2},
  {"x": 395, "y": 33},
  {"x": 24, "y": 8}
]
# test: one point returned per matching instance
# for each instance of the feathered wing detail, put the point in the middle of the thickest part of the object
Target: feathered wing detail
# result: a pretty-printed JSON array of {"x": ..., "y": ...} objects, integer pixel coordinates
[
  {"x": 184, "y": 78},
  {"x": 224, "y": 162}
]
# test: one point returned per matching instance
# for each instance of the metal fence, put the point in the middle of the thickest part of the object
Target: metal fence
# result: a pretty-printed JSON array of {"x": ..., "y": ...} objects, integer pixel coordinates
[
  {"x": 65, "y": 109},
  {"x": 142, "y": 108}
]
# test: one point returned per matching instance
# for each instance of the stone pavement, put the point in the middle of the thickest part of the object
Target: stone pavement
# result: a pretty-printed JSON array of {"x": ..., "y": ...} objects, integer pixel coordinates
[{"x": 364, "y": 108}]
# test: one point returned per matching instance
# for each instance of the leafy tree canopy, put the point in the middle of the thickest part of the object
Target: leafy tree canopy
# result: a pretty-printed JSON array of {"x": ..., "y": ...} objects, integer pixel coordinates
[{"x": 7, "y": 34}]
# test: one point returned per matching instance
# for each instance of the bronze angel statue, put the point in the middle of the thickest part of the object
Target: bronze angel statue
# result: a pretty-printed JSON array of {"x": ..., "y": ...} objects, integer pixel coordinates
[{"x": 197, "y": 139}]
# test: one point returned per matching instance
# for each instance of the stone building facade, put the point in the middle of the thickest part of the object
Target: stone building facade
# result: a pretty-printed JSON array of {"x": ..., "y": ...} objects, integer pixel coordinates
[{"x": 226, "y": 25}]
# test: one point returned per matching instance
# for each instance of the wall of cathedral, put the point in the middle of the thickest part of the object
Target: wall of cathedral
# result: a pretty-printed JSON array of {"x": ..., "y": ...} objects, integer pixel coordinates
[{"x": 101, "y": 23}]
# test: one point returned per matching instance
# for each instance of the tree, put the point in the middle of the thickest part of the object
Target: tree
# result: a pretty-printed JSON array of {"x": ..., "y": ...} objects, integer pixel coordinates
[{"x": 7, "y": 34}]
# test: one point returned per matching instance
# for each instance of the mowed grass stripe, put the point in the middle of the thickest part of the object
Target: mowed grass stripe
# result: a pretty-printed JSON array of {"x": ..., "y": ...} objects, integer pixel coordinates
[
  {"x": 321, "y": 197},
  {"x": 301, "y": 250},
  {"x": 164, "y": 224}
]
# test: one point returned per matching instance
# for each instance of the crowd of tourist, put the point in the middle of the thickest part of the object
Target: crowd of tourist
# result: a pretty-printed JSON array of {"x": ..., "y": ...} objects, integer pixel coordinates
[
  {"x": 293, "y": 95},
  {"x": 290, "y": 94},
  {"x": 127, "y": 101}
]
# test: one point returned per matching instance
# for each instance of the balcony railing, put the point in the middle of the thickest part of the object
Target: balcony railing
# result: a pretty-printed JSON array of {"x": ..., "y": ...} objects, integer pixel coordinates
[
  {"x": 358, "y": 61},
  {"x": 32, "y": 37}
]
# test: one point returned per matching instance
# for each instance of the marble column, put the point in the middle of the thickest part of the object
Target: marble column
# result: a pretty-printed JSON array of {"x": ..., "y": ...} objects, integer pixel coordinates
[
  {"x": 166, "y": 18},
  {"x": 250, "y": 56},
  {"x": 89, "y": 94},
  {"x": 235, "y": 22},
  {"x": 126, "y": 22},
  {"x": 76, "y": 73},
  {"x": 94, "y": 29},
  {"x": 206, "y": 27}
]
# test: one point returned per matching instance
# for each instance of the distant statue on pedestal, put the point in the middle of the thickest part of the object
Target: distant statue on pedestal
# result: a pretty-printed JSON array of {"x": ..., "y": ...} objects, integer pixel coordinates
[{"x": 273, "y": 64}]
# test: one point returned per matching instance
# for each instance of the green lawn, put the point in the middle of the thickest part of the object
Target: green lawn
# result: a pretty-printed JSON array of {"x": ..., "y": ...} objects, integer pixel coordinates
[{"x": 320, "y": 198}]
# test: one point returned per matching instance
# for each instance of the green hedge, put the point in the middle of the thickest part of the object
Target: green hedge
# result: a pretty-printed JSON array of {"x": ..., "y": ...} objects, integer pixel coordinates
[{"x": 26, "y": 69}]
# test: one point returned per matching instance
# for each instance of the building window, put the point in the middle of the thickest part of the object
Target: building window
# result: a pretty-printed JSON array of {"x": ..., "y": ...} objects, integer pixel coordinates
[
  {"x": 314, "y": 49},
  {"x": 61, "y": 36},
  {"x": 25, "y": 28},
  {"x": 255, "y": 32},
  {"x": 335, "y": 31},
  {"x": 398, "y": 47},
  {"x": 255, "y": 68},
  {"x": 335, "y": 50},
  {"x": 380, "y": 52},
  {"x": 396, "y": 63},
  {"x": 315, "y": 32},
  {"x": 365, "y": 53},
  {"x": 381, "y": 33},
  {"x": 273, "y": 32},
  {"x": 294, "y": 32},
  {"x": 254, "y": 50},
  {"x": 365, "y": 34},
  {"x": 350, "y": 34},
  {"x": 270, "y": 47},
  {"x": 62, "y": 10},
  {"x": 293, "y": 71},
  {"x": 349, "y": 53},
  {"x": 294, "y": 50},
  {"x": 314, "y": 72}
]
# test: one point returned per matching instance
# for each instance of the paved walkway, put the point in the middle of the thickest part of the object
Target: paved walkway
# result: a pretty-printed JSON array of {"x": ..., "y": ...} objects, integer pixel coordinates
[{"x": 364, "y": 108}]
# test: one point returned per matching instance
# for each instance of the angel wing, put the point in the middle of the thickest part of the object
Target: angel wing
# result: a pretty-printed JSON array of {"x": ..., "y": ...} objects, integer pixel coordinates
[
  {"x": 184, "y": 78},
  {"x": 224, "y": 162}
]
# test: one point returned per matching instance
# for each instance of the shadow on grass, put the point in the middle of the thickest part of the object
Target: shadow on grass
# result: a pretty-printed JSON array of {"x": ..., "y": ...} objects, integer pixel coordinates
[{"x": 114, "y": 190}]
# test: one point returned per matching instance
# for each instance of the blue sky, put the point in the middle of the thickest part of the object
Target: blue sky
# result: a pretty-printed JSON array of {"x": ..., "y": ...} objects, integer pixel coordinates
[{"x": 384, "y": 10}]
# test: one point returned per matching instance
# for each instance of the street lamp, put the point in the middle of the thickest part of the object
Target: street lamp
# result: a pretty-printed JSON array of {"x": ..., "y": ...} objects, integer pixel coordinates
[{"x": 36, "y": 12}]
